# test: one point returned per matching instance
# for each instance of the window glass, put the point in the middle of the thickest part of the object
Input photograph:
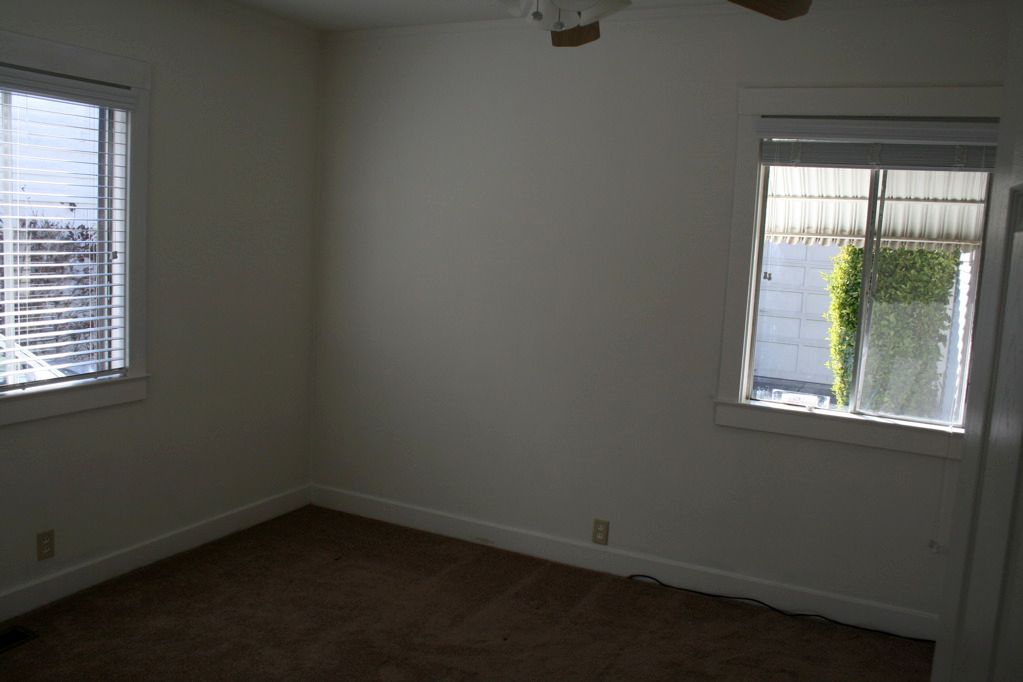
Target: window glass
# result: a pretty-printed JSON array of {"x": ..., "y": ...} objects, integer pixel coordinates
[
  {"x": 810, "y": 215},
  {"x": 920, "y": 301},
  {"x": 866, "y": 289},
  {"x": 63, "y": 269}
]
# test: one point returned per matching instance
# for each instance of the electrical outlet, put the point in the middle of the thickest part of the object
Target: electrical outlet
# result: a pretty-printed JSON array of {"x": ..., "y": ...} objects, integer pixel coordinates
[
  {"x": 45, "y": 548},
  {"x": 600, "y": 530}
]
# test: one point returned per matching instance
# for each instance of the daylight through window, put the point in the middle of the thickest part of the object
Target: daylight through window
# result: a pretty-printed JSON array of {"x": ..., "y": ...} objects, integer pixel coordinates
[
  {"x": 867, "y": 281},
  {"x": 63, "y": 248}
]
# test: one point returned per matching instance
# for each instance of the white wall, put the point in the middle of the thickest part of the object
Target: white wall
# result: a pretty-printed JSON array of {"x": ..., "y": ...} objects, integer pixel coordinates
[
  {"x": 231, "y": 170},
  {"x": 521, "y": 282}
]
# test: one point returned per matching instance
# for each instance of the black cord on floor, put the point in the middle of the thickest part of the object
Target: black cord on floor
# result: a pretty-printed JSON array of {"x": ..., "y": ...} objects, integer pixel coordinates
[{"x": 650, "y": 579}]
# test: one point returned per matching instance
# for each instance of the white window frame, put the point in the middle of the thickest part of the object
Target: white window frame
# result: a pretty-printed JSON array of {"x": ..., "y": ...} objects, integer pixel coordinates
[
  {"x": 732, "y": 408},
  {"x": 35, "y": 64}
]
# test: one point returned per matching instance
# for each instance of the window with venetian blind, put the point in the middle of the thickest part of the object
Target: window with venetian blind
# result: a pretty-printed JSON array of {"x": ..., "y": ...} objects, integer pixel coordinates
[
  {"x": 72, "y": 239},
  {"x": 63, "y": 183},
  {"x": 868, "y": 266}
]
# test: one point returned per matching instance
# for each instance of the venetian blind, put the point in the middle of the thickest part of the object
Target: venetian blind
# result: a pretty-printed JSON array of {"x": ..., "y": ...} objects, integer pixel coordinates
[
  {"x": 63, "y": 222},
  {"x": 935, "y": 180}
]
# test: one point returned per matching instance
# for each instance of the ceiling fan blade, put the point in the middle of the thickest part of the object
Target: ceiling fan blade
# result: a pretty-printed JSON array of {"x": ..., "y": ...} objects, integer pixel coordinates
[
  {"x": 777, "y": 9},
  {"x": 574, "y": 37}
]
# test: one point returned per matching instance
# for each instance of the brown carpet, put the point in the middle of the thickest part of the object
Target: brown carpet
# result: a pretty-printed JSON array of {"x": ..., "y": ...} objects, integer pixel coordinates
[{"x": 317, "y": 594}]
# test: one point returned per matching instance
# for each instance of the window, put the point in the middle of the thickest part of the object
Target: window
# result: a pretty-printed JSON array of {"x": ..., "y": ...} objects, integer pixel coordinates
[
  {"x": 869, "y": 263},
  {"x": 62, "y": 254},
  {"x": 855, "y": 267},
  {"x": 71, "y": 237}
]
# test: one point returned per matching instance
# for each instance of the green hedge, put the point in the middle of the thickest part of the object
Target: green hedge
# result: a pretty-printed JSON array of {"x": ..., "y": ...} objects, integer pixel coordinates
[
  {"x": 843, "y": 315},
  {"x": 909, "y": 328}
]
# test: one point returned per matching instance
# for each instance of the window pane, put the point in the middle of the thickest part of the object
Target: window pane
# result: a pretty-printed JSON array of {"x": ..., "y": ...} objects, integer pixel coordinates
[
  {"x": 63, "y": 182},
  {"x": 921, "y": 303},
  {"x": 809, "y": 285}
]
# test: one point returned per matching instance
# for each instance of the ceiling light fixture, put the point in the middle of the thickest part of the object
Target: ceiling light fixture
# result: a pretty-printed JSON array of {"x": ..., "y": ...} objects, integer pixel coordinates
[
  {"x": 583, "y": 26},
  {"x": 537, "y": 15},
  {"x": 566, "y": 16},
  {"x": 559, "y": 25}
]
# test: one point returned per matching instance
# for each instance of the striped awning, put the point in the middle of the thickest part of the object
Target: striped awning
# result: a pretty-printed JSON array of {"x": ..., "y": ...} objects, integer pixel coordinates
[{"x": 920, "y": 209}]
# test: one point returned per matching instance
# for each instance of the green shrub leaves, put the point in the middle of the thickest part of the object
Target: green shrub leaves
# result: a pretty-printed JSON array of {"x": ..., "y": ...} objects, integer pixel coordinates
[{"x": 908, "y": 328}]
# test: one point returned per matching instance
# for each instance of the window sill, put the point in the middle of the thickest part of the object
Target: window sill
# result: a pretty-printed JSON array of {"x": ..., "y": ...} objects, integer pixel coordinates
[
  {"x": 28, "y": 406},
  {"x": 919, "y": 439}
]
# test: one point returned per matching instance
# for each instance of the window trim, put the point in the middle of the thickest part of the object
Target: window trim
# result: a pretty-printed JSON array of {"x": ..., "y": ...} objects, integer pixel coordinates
[
  {"x": 88, "y": 75},
  {"x": 732, "y": 409}
]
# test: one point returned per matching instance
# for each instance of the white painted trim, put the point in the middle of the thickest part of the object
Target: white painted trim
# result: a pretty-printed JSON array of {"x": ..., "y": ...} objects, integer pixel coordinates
[
  {"x": 65, "y": 399},
  {"x": 73, "y": 61},
  {"x": 16, "y": 407},
  {"x": 954, "y": 102},
  {"x": 980, "y": 101},
  {"x": 978, "y": 581},
  {"x": 840, "y": 427},
  {"x": 81, "y": 74},
  {"x": 609, "y": 559},
  {"x": 36, "y": 593},
  {"x": 733, "y": 364}
]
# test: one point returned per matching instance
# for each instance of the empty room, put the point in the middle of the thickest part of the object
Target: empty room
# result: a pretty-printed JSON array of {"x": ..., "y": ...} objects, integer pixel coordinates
[{"x": 511, "y": 339}]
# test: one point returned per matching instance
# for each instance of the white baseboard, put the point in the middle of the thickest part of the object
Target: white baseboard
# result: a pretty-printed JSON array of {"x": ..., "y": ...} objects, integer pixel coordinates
[
  {"x": 844, "y": 608},
  {"x": 35, "y": 593}
]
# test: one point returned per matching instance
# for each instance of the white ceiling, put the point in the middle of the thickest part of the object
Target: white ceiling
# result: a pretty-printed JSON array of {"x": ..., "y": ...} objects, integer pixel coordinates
[{"x": 359, "y": 14}]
